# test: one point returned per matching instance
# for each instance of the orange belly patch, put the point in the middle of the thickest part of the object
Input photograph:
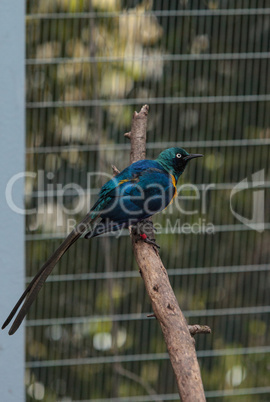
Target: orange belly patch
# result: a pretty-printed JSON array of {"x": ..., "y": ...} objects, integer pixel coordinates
[{"x": 175, "y": 189}]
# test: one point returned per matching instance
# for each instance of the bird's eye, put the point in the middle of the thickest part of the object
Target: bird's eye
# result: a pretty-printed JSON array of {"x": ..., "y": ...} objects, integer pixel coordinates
[{"x": 178, "y": 156}]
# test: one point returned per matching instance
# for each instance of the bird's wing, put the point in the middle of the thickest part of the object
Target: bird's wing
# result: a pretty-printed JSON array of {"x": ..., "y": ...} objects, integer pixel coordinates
[
  {"x": 133, "y": 198},
  {"x": 121, "y": 184},
  {"x": 138, "y": 196}
]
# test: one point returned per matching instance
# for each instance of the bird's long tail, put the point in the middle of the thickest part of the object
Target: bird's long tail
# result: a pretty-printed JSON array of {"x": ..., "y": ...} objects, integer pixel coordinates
[{"x": 32, "y": 290}]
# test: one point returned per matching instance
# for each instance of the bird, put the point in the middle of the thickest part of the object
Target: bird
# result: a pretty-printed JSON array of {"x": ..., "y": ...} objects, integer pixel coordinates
[{"x": 141, "y": 190}]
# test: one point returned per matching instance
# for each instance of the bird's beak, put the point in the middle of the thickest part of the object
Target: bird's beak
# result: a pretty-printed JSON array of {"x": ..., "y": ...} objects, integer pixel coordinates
[{"x": 191, "y": 156}]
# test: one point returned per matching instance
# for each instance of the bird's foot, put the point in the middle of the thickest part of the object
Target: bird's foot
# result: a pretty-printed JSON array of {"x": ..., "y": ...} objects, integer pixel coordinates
[
  {"x": 149, "y": 241},
  {"x": 144, "y": 231}
]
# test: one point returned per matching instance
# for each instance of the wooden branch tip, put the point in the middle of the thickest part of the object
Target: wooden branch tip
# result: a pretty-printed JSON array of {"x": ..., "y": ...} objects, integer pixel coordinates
[
  {"x": 199, "y": 329},
  {"x": 115, "y": 170},
  {"x": 145, "y": 109},
  {"x": 127, "y": 135}
]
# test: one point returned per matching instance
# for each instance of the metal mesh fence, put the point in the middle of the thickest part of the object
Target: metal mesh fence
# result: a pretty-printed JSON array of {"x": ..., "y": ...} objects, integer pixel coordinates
[{"x": 203, "y": 67}]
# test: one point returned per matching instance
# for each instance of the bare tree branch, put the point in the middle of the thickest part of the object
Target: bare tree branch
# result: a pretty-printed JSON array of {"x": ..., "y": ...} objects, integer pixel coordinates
[
  {"x": 193, "y": 329},
  {"x": 176, "y": 333},
  {"x": 115, "y": 170},
  {"x": 199, "y": 329},
  {"x": 127, "y": 134}
]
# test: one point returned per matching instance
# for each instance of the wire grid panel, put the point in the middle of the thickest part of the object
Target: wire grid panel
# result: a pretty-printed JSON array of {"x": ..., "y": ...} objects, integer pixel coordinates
[{"x": 203, "y": 68}]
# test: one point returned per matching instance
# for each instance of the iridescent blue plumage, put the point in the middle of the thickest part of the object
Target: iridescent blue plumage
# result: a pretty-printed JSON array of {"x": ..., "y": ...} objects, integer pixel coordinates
[{"x": 139, "y": 191}]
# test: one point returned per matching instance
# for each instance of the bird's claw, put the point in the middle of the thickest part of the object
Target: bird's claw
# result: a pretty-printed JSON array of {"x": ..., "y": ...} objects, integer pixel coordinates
[
  {"x": 144, "y": 231},
  {"x": 148, "y": 241}
]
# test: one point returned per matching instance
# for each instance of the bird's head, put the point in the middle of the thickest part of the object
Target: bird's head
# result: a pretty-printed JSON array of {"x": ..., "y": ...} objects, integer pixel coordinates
[{"x": 174, "y": 160}]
